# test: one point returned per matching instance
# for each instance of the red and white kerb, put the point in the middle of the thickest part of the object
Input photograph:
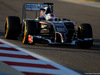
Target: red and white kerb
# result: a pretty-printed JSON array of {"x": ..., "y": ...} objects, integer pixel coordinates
[{"x": 23, "y": 61}]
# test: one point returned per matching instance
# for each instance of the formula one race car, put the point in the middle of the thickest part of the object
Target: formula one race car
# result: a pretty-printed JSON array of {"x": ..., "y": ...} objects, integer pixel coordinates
[{"x": 46, "y": 28}]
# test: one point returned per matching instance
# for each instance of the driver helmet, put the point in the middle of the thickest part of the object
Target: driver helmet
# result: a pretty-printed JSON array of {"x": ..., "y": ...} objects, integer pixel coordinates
[{"x": 49, "y": 17}]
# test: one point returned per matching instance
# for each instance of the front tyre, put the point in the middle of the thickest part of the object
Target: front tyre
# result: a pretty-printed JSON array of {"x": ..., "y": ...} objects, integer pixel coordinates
[
  {"x": 12, "y": 27},
  {"x": 85, "y": 36},
  {"x": 30, "y": 27}
]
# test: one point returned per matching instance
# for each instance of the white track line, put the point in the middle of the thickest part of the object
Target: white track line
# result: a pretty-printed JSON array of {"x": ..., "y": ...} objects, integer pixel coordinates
[
  {"x": 21, "y": 60},
  {"x": 87, "y": 3},
  {"x": 39, "y": 70},
  {"x": 13, "y": 52},
  {"x": 4, "y": 45}
]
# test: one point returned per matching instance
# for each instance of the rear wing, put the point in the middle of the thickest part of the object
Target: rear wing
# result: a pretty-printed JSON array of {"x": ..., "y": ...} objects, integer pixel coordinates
[{"x": 35, "y": 7}]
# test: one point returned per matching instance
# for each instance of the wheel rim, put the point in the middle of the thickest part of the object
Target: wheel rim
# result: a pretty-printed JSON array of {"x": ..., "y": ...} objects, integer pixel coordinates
[
  {"x": 24, "y": 35},
  {"x": 79, "y": 32},
  {"x": 6, "y": 28}
]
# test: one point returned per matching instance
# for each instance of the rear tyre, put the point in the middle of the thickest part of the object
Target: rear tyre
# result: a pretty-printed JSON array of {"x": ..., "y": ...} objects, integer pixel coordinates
[
  {"x": 12, "y": 27},
  {"x": 29, "y": 28},
  {"x": 85, "y": 32}
]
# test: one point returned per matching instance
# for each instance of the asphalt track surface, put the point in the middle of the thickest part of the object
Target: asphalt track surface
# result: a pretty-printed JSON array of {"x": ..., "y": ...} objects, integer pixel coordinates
[{"x": 80, "y": 60}]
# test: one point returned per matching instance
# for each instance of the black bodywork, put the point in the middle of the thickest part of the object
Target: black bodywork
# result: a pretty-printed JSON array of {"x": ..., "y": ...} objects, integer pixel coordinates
[
  {"x": 57, "y": 32},
  {"x": 52, "y": 32}
]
